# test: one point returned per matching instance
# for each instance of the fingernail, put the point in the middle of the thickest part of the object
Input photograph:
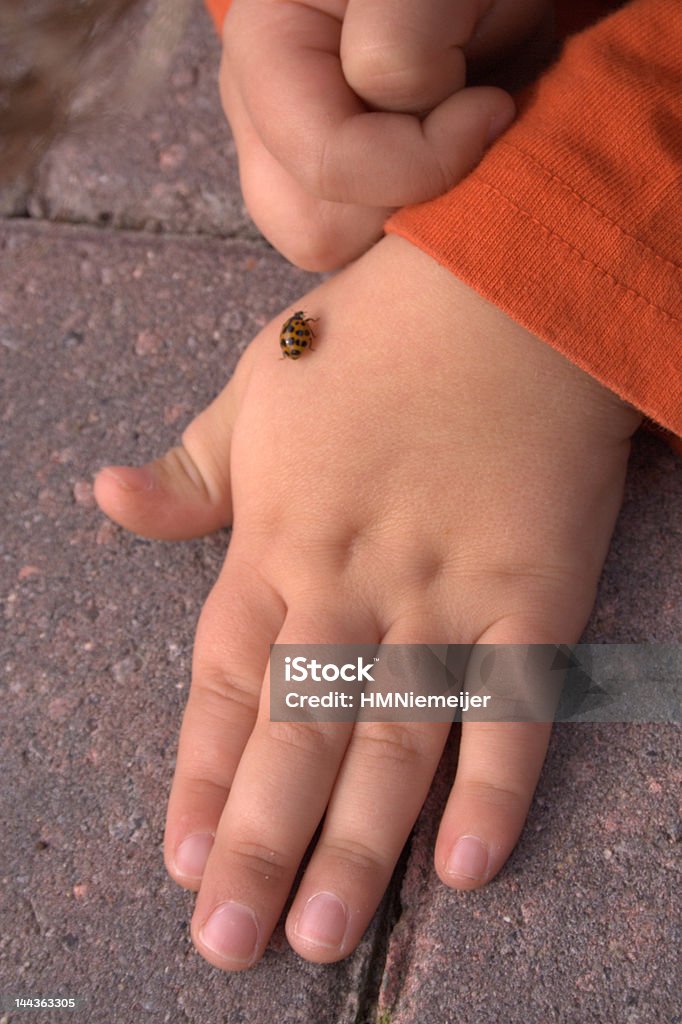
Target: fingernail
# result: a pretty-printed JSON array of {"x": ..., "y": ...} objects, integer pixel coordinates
[
  {"x": 232, "y": 932},
  {"x": 469, "y": 859},
  {"x": 499, "y": 123},
  {"x": 192, "y": 854},
  {"x": 131, "y": 478},
  {"x": 323, "y": 921}
]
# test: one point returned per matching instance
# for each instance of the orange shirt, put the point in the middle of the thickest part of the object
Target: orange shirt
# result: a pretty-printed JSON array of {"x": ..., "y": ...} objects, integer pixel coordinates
[{"x": 571, "y": 222}]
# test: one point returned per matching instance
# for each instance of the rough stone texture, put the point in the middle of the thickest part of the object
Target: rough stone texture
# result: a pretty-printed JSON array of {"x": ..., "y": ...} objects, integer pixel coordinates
[
  {"x": 172, "y": 169},
  {"x": 640, "y": 593},
  {"x": 14, "y": 196}
]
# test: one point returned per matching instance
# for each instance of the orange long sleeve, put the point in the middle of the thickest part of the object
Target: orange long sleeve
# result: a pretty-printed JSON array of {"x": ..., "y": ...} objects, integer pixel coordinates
[
  {"x": 571, "y": 222},
  {"x": 217, "y": 9}
]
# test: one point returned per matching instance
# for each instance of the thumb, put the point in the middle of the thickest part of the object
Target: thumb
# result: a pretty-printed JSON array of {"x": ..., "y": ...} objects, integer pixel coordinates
[{"x": 184, "y": 493}]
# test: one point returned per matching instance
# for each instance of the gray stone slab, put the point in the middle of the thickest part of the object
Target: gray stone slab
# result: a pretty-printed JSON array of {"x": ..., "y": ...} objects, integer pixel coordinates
[
  {"x": 98, "y": 626},
  {"x": 169, "y": 164},
  {"x": 582, "y": 926}
]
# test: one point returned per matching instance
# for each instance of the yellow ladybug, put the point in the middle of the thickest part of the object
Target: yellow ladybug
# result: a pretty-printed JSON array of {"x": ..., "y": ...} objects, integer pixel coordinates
[{"x": 296, "y": 336}]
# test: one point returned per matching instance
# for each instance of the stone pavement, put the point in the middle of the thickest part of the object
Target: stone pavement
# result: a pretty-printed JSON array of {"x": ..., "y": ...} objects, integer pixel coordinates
[{"x": 130, "y": 281}]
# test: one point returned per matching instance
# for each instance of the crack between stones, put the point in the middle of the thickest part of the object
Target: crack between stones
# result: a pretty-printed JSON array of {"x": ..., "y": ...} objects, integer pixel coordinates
[
  {"x": 368, "y": 1001},
  {"x": 134, "y": 227}
]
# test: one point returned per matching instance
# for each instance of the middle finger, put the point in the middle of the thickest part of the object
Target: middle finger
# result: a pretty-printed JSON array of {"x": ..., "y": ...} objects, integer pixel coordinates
[{"x": 379, "y": 791}]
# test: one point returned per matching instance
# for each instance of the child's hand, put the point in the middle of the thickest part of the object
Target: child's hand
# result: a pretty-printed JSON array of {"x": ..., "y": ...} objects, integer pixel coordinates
[
  {"x": 430, "y": 473},
  {"x": 307, "y": 87}
]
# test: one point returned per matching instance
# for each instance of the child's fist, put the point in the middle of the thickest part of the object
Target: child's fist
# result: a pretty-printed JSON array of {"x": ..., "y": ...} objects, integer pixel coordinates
[{"x": 343, "y": 110}]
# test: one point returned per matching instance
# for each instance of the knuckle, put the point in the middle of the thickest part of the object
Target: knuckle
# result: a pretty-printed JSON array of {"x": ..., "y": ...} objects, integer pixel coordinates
[
  {"x": 384, "y": 73},
  {"x": 373, "y": 63},
  {"x": 180, "y": 463},
  {"x": 400, "y": 743},
  {"x": 222, "y": 692},
  {"x": 202, "y": 781},
  {"x": 261, "y": 861},
  {"x": 494, "y": 793},
  {"x": 361, "y": 857},
  {"x": 311, "y": 739}
]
